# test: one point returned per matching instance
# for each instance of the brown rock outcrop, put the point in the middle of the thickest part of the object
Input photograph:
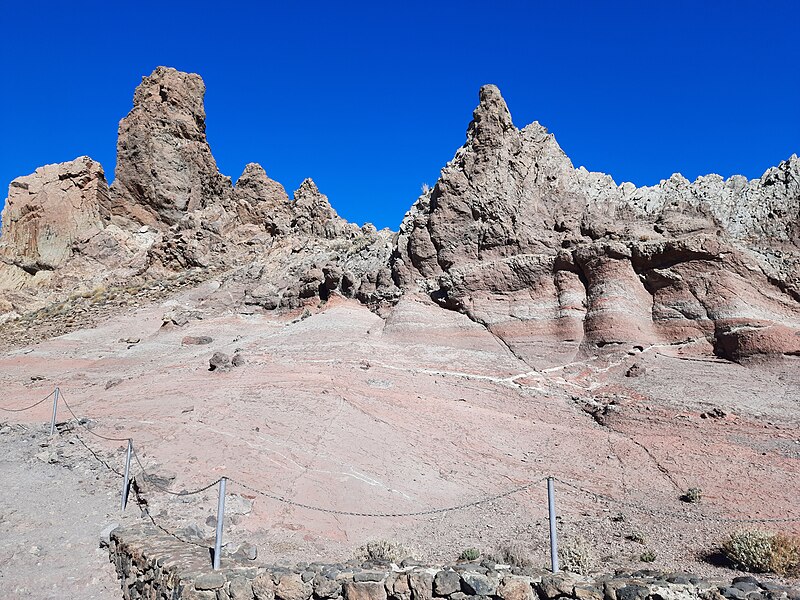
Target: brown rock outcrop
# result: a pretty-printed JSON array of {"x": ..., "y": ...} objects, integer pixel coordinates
[
  {"x": 164, "y": 164},
  {"x": 550, "y": 257},
  {"x": 46, "y": 214}
]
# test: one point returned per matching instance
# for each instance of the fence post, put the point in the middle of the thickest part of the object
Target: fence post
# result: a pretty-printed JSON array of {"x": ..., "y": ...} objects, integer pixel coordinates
[
  {"x": 551, "y": 507},
  {"x": 55, "y": 409},
  {"x": 220, "y": 518},
  {"x": 126, "y": 478}
]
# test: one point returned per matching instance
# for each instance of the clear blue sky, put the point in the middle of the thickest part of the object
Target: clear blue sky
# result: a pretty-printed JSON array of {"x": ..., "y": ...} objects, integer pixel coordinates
[{"x": 371, "y": 99}]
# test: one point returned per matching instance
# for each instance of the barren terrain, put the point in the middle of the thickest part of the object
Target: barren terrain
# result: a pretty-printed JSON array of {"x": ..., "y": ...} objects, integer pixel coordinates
[{"x": 343, "y": 410}]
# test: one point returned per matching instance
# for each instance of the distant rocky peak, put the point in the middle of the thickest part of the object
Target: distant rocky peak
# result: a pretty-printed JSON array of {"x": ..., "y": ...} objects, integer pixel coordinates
[
  {"x": 309, "y": 197},
  {"x": 491, "y": 119},
  {"x": 254, "y": 185},
  {"x": 164, "y": 164},
  {"x": 171, "y": 91}
]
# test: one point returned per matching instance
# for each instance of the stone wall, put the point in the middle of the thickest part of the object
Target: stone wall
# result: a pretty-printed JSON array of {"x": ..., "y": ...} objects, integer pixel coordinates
[{"x": 155, "y": 566}]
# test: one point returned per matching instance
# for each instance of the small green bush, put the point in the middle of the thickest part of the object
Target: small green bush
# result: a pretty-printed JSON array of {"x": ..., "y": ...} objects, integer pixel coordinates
[
  {"x": 648, "y": 556},
  {"x": 764, "y": 552},
  {"x": 750, "y": 550},
  {"x": 470, "y": 554}
]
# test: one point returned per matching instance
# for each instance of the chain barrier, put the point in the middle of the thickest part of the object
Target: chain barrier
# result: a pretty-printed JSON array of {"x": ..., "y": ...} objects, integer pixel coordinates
[
  {"x": 16, "y": 410},
  {"x": 151, "y": 480},
  {"x": 85, "y": 426},
  {"x": 419, "y": 513},
  {"x": 97, "y": 457},
  {"x": 669, "y": 513}
]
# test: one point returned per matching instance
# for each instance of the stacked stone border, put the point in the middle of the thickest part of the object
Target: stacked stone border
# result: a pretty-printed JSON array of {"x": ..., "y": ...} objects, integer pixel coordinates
[{"x": 155, "y": 566}]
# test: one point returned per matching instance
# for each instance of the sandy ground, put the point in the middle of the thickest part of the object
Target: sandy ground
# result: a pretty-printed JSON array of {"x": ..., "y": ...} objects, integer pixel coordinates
[
  {"x": 346, "y": 411},
  {"x": 51, "y": 518}
]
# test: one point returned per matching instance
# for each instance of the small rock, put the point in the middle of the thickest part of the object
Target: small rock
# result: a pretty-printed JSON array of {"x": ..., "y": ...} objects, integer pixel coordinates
[
  {"x": 368, "y": 576},
  {"x": 209, "y": 581},
  {"x": 105, "y": 535},
  {"x": 238, "y": 360},
  {"x": 446, "y": 583},
  {"x": 733, "y": 593},
  {"x": 716, "y": 413},
  {"x": 263, "y": 587},
  {"x": 220, "y": 362},
  {"x": 192, "y": 340},
  {"x": 635, "y": 370},
  {"x": 326, "y": 588},
  {"x": 517, "y": 588},
  {"x": 240, "y": 589},
  {"x": 112, "y": 382},
  {"x": 292, "y": 587},
  {"x": 366, "y": 590},
  {"x": 477, "y": 584}
]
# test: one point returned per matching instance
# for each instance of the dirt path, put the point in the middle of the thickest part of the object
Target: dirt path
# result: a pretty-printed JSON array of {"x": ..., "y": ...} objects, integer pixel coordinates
[{"x": 51, "y": 519}]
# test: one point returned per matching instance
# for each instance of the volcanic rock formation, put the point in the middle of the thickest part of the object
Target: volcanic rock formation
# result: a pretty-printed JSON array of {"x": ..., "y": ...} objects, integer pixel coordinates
[{"x": 551, "y": 259}]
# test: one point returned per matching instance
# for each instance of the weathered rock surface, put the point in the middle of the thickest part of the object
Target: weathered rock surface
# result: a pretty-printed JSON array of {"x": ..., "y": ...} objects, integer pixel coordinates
[
  {"x": 164, "y": 164},
  {"x": 551, "y": 259}
]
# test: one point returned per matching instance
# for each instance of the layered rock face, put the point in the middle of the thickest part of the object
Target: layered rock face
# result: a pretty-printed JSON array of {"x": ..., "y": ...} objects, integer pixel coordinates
[{"x": 552, "y": 258}]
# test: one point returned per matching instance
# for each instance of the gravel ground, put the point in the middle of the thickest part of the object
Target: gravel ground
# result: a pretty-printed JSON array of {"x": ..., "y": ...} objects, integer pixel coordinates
[{"x": 51, "y": 518}]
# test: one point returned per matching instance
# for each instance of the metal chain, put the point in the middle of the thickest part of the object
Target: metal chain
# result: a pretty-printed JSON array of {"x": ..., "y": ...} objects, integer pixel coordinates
[
  {"x": 15, "y": 410},
  {"x": 671, "y": 513},
  {"x": 419, "y": 513},
  {"x": 151, "y": 481},
  {"x": 598, "y": 496},
  {"x": 86, "y": 427},
  {"x": 97, "y": 457}
]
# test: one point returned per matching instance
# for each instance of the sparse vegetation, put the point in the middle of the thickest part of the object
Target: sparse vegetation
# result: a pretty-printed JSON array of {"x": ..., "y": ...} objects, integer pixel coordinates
[
  {"x": 513, "y": 554},
  {"x": 648, "y": 556},
  {"x": 469, "y": 554},
  {"x": 763, "y": 552},
  {"x": 693, "y": 495},
  {"x": 576, "y": 556},
  {"x": 382, "y": 550}
]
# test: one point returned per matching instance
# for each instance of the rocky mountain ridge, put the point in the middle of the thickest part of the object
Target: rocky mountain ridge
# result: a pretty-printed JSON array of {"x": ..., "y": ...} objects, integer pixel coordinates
[{"x": 553, "y": 260}]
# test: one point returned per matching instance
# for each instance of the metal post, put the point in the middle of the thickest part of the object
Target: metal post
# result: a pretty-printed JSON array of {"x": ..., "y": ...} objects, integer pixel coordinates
[
  {"x": 126, "y": 478},
  {"x": 220, "y": 518},
  {"x": 55, "y": 409},
  {"x": 551, "y": 507}
]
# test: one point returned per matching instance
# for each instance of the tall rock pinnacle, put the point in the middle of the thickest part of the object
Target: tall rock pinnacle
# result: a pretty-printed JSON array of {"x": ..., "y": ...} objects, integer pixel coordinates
[
  {"x": 491, "y": 119},
  {"x": 164, "y": 164}
]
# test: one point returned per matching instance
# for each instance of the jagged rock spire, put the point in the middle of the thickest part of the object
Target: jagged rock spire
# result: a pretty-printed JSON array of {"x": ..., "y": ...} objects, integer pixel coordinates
[
  {"x": 491, "y": 119},
  {"x": 164, "y": 164}
]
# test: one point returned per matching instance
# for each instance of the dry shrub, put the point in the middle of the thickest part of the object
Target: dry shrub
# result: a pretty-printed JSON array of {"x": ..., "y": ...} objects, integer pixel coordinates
[
  {"x": 575, "y": 556},
  {"x": 382, "y": 550},
  {"x": 513, "y": 554},
  {"x": 763, "y": 552},
  {"x": 785, "y": 558}
]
